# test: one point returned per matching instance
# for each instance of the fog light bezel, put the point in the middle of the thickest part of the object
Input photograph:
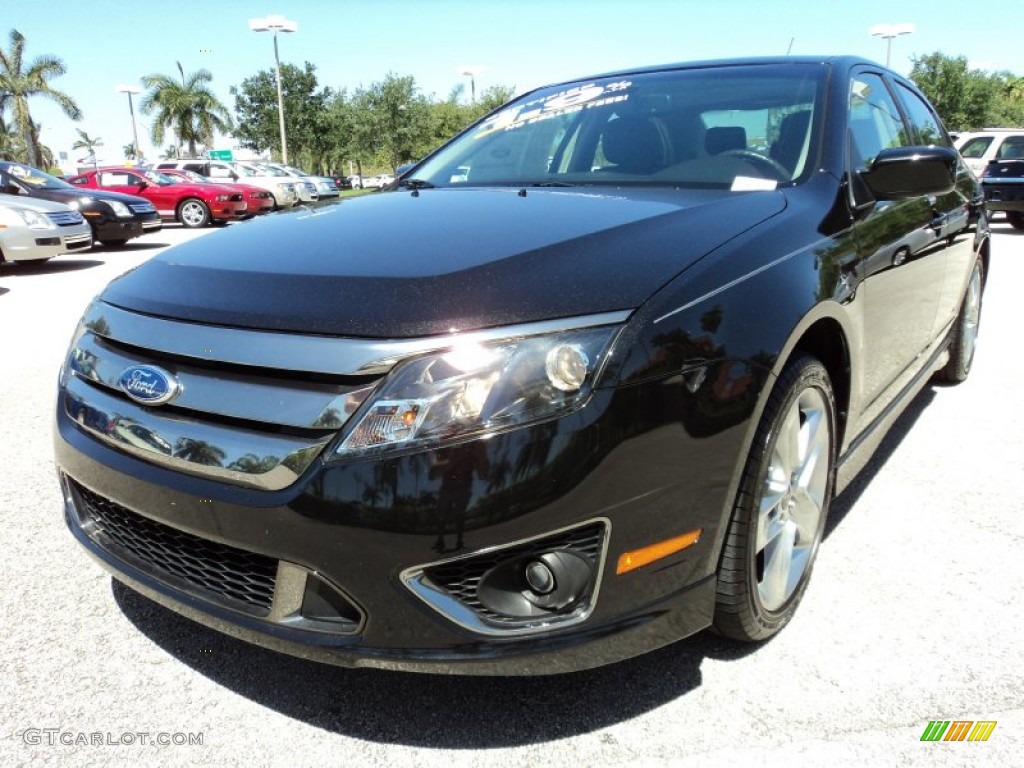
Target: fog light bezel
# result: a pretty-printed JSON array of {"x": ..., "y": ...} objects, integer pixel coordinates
[{"x": 417, "y": 579}]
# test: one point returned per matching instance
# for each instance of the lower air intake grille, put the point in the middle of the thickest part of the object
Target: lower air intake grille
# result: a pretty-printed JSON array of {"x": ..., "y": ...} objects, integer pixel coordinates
[{"x": 242, "y": 579}]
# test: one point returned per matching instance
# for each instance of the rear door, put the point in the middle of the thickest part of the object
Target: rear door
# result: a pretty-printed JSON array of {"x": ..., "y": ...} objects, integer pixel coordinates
[{"x": 950, "y": 212}]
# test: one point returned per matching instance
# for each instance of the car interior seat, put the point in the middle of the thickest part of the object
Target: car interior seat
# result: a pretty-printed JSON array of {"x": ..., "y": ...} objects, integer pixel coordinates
[
  {"x": 636, "y": 144},
  {"x": 724, "y": 138},
  {"x": 790, "y": 148}
]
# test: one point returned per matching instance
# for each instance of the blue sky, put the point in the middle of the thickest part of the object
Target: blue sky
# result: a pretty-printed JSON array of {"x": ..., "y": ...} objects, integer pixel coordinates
[{"x": 519, "y": 43}]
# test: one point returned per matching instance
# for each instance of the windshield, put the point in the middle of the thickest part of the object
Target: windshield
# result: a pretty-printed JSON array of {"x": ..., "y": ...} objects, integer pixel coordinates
[
  {"x": 158, "y": 178},
  {"x": 269, "y": 170},
  {"x": 741, "y": 127},
  {"x": 33, "y": 177}
]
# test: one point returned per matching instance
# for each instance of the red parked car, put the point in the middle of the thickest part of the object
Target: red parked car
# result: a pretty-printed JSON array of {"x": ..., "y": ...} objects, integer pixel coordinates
[
  {"x": 259, "y": 200},
  {"x": 194, "y": 205}
]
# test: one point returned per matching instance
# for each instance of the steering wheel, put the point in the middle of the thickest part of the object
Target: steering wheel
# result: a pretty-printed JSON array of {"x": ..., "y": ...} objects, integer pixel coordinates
[{"x": 776, "y": 168}]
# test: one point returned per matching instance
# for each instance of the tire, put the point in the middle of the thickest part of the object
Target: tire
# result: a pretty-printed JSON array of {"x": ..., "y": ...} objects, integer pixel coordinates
[
  {"x": 114, "y": 243},
  {"x": 964, "y": 336},
  {"x": 193, "y": 213},
  {"x": 780, "y": 511},
  {"x": 1016, "y": 219}
]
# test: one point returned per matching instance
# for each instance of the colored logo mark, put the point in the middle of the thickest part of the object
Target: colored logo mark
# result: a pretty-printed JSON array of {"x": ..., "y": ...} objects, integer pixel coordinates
[
  {"x": 148, "y": 384},
  {"x": 958, "y": 730}
]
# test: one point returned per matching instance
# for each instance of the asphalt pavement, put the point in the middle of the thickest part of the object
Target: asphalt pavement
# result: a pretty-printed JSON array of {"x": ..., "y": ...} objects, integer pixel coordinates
[{"x": 914, "y": 613}]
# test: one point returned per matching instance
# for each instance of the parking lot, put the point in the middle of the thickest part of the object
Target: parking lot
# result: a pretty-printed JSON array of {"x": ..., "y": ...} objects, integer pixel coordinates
[{"x": 913, "y": 614}]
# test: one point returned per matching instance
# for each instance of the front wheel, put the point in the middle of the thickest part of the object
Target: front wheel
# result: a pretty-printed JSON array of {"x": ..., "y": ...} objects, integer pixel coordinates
[
  {"x": 964, "y": 338},
  {"x": 193, "y": 213},
  {"x": 779, "y": 515}
]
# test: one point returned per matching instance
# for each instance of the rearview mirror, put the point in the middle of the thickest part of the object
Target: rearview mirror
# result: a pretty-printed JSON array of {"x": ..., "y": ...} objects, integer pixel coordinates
[{"x": 904, "y": 172}]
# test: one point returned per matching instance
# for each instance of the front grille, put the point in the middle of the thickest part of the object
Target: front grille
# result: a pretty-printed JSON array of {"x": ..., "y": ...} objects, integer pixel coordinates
[
  {"x": 66, "y": 218},
  {"x": 142, "y": 207},
  {"x": 460, "y": 578},
  {"x": 244, "y": 580}
]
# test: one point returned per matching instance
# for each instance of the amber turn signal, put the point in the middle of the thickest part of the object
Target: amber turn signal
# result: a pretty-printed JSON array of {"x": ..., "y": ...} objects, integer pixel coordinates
[{"x": 629, "y": 561}]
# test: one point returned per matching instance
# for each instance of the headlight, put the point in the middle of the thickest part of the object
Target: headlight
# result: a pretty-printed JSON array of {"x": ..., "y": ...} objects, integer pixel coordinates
[
  {"x": 222, "y": 198},
  {"x": 119, "y": 208},
  {"x": 34, "y": 219},
  {"x": 478, "y": 389}
]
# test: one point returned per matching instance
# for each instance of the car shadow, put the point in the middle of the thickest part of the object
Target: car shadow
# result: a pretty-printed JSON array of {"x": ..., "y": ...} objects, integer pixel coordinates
[
  {"x": 131, "y": 245},
  {"x": 844, "y": 502},
  {"x": 431, "y": 710},
  {"x": 50, "y": 267},
  {"x": 4, "y": 290}
]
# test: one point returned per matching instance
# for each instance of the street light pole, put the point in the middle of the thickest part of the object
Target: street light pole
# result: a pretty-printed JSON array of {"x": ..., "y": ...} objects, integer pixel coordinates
[
  {"x": 471, "y": 73},
  {"x": 888, "y": 32},
  {"x": 276, "y": 24},
  {"x": 131, "y": 89}
]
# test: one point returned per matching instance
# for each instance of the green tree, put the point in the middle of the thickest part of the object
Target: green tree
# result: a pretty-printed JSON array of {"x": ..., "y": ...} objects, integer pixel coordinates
[
  {"x": 305, "y": 113},
  {"x": 86, "y": 142},
  {"x": 393, "y": 121},
  {"x": 188, "y": 108},
  {"x": 966, "y": 99},
  {"x": 19, "y": 82}
]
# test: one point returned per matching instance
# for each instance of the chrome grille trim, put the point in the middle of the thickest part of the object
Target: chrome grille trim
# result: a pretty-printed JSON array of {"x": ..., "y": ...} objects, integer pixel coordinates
[
  {"x": 311, "y": 405},
  {"x": 65, "y": 218},
  {"x": 303, "y": 353},
  {"x": 142, "y": 207},
  {"x": 232, "y": 454}
]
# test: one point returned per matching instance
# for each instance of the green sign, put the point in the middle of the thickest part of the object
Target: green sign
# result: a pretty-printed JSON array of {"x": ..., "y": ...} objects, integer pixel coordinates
[{"x": 221, "y": 154}]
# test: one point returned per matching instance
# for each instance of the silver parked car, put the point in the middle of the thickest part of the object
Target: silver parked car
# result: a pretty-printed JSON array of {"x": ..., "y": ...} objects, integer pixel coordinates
[{"x": 32, "y": 229}]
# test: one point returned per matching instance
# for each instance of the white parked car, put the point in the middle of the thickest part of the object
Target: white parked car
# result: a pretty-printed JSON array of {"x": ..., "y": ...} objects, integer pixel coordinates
[
  {"x": 32, "y": 229},
  {"x": 979, "y": 148},
  {"x": 376, "y": 182},
  {"x": 325, "y": 186},
  {"x": 305, "y": 187}
]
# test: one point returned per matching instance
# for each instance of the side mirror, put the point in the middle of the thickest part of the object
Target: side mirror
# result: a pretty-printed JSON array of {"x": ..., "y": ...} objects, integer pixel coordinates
[{"x": 905, "y": 172}]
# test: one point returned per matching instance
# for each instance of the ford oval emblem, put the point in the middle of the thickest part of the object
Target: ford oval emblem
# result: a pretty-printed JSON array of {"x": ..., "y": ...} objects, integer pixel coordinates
[{"x": 149, "y": 385}]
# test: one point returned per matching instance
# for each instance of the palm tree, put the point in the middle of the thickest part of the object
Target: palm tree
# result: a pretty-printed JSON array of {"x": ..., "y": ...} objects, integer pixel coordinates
[
  {"x": 87, "y": 142},
  {"x": 19, "y": 82},
  {"x": 188, "y": 108},
  {"x": 12, "y": 147}
]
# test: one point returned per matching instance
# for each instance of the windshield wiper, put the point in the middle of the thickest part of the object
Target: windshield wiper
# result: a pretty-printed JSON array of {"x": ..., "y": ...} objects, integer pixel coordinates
[
  {"x": 551, "y": 184},
  {"x": 416, "y": 184}
]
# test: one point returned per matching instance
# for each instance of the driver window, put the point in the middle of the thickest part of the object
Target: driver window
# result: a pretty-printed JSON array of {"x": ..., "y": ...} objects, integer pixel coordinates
[
  {"x": 117, "y": 179},
  {"x": 875, "y": 122}
]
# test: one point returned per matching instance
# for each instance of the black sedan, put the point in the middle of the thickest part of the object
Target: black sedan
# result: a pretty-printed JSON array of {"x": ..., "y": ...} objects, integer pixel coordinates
[
  {"x": 115, "y": 218},
  {"x": 1003, "y": 183},
  {"x": 583, "y": 383}
]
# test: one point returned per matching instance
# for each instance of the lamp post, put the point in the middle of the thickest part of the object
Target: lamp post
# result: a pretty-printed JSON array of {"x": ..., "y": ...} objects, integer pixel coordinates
[
  {"x": 276, "y": 24},
  {"x": 888, "y": 32},
  {"x": 130, "y": 90},
  {"x": 471, "y": 73}
]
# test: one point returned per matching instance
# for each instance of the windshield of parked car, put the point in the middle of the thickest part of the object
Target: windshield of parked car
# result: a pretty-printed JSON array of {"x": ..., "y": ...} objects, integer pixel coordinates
[
  {"x": 158, "y": 178},
  {"x": 33, "y": 177},
  {"x": 731, "y": 127},
  {"x": 269, "y": 170}
]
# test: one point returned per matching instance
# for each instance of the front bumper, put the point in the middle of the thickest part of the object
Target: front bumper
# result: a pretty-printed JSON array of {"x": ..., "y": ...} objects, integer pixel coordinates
[
  {"x": 121, "y": 229},
  {"x": 625, "y": 463}
]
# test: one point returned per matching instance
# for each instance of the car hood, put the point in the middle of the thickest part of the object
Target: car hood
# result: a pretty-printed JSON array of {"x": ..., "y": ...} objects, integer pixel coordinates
[
  {"x": 406, "y": 264},
  {"x": 38, "y": 204},
  {"x": 68, "y": 195}
]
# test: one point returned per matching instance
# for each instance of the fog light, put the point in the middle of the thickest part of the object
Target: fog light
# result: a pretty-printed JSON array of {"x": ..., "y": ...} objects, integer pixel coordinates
[{"x": 539, "y": 577}]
